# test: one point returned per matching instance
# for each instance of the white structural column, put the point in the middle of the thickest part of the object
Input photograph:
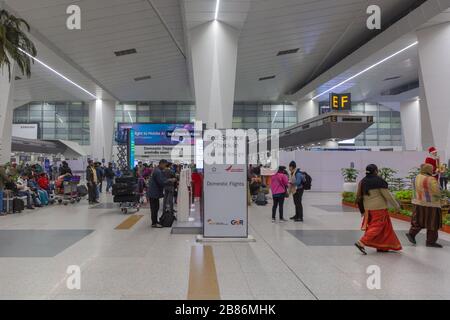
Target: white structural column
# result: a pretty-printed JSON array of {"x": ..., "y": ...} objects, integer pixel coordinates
[
  {"x": 307, "y": 109},
  {"x": 411, "y": 128},
  {"x": 214, "y": 47},
  {"x": 434, "y": 48},
  {"x": 6, "y": 113},
  {"x": 101, "y": 122}
]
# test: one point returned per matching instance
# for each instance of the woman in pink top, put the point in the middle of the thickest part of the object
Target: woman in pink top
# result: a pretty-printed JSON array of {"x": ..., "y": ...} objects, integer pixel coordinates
[{"x": 278, "y": 185}]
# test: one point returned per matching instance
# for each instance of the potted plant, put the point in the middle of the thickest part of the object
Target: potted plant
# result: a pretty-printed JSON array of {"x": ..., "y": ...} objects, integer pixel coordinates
[
  {"x": 405, "y": 198},
  {"x": 12, "y": 39},
  {"x": 386, "y": 173},
  {"x": 350, "y": 175}
]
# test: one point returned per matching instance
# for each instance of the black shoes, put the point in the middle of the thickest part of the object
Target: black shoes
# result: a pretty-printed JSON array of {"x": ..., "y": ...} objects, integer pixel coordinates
[
  {"x": 411, "y": 238},
  {"x": 361, "y": 248},
  {"x": 157, "y": 226},
  {"x": 298, "y": 220},
  {"x": 434, "y": 245},
  {"x": 293, "y": 218}
]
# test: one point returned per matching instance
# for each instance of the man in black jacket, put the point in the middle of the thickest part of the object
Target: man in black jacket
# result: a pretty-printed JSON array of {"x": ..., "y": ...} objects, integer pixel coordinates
[
  {"x": 91, "y": 178},
  {"x": 156, "y": 190},
  {"x": 109, "y": 175}
]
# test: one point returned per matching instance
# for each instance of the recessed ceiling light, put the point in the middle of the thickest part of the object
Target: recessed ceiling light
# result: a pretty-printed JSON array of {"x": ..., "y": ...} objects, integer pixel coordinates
[
  {"x": 216, "y": 14},
  {"x": 266, "y": 78},
  {"x": 365, "y": 70},
  {"x": 290, "y": 51},
  {"x": 142, "y": 78},
  {"x": 57, "y": 73},
  {"x": 125, "y": 52}
]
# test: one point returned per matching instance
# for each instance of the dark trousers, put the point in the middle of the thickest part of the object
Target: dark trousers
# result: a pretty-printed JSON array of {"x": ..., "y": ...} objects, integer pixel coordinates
[
  {"x": 432, "y": 235},
  {"x": 278, "y": 201},
  {"x": 298, "y": 196},
  {"x": 92, "y": 191},
  {"x": 443, "y": 182},
  {"x": 168, "y": 200},
  {"x": 154, "y": 209}
]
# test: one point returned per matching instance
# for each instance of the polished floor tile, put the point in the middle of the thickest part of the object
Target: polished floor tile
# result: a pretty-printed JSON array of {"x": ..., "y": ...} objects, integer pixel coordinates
[{"x": 290, "y": 261}]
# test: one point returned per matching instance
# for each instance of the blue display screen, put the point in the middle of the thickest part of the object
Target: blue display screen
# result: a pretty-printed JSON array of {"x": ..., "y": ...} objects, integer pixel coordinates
[
  {"x": 131, "y": 148},
  {"x": 159, "y": 133}
]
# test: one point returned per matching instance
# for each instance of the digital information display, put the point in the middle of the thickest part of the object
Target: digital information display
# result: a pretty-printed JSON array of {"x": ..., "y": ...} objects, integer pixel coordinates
[
  {"x": 131, "y": 148},
  {"x": 159, "y": 134}
]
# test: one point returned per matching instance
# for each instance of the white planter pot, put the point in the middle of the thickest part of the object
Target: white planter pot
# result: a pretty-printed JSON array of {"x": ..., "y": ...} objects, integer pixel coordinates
[{"x": 350, "y": 187}]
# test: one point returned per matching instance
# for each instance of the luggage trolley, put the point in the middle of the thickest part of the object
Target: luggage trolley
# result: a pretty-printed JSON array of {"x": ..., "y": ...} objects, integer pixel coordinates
[
  {"x": 69, "y": 192},
  {"x": 126, "y": 193}
]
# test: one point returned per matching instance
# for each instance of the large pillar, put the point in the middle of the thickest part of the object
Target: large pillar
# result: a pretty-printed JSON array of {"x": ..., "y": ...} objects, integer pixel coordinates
[
  {"x": 434, "y": 46},
  {"x": 101, "y": 122},
  {"x": 411, "y": 128},
  {"x": 6, "y": 113},
  {"x": 214, "y": 57},
  {"x": 307, "y": 109}
]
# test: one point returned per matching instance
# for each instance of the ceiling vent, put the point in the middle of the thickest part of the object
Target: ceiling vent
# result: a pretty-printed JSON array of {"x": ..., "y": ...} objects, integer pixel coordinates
[
  {"x": 266, "y": 78},
  {"x": 125, "y": 52},
  {"x": 401, "y": 89},
  {"x": 142, "y": 78},
  {"x": 291, "y": 51},
  {"x": 392, "y": 78}
]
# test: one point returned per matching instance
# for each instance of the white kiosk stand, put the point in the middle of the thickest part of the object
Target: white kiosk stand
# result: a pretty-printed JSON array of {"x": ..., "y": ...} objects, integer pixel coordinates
[
  {"x": 184, "y": 198},
  {"x": 225, "y": 196}
]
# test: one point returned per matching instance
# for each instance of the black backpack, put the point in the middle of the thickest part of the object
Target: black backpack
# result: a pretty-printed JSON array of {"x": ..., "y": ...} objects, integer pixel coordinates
[
  {"x": 308, "y": 181},
  {"x": 167, "y": 219}
]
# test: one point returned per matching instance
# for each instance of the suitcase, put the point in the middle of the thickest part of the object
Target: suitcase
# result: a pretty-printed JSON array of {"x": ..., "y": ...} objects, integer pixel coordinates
[
  {"x": 7, "y": 202},
  {"x": 82, "y": 191},
  {"x": 167, "y": 219},
  {"x": 18, "y": 205},
  {"x": 127, "y": 180},
  {"x": 127, "y": 198}
]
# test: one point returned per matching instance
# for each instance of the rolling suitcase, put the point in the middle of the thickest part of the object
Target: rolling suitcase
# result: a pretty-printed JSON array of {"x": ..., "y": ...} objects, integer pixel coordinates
[
  {"x": 18, "y": 205},
  {"x": 82, "y": 191},
  {"x": 8, "y": 197}
]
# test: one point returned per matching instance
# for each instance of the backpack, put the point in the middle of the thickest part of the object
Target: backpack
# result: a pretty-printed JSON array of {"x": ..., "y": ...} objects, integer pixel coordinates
[
  {"x": 307, "y": 183},
  {"x": 167, "y": 219},
  {"x": 261, "y": 199}
]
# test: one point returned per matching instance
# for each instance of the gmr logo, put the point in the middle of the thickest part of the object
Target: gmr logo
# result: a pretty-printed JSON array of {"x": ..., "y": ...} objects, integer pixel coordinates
[{"x": 237, "y": 222}]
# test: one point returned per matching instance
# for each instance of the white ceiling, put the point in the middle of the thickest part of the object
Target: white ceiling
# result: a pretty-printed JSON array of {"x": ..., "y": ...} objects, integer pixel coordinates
[{"x": 322, "y": 29}]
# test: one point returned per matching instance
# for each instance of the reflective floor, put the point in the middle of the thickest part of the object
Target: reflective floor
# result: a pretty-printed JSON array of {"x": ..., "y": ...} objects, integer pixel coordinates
[{"x": 121, "y": 257}]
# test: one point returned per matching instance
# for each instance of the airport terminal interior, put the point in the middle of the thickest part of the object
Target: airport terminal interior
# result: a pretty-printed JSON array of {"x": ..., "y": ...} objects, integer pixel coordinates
[{"x": 224, "y": 150}]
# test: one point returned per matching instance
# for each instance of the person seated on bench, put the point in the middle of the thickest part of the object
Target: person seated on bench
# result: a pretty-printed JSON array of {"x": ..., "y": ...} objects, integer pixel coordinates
[
  {"x": 24, "y": 191},
  {"x": 40, "y": 193}
]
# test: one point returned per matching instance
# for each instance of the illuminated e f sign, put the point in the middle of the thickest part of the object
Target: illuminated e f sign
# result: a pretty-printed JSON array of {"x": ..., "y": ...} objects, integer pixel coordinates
[{"x": 340, "y": 101}]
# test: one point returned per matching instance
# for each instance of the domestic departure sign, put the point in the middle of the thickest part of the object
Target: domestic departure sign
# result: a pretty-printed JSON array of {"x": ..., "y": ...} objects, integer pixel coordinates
[{"x": 342, "y": 101}]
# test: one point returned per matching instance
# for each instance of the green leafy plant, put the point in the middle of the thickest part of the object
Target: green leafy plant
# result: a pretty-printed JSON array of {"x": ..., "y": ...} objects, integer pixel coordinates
[
  {"x": 405, "y": 195},
  {"x": 349, "y": 174},
  {"x": 413, "y": 173},
  {"x": 397, "y": 184},
  {"x": 12, "y": 39},
  {"x": 387, "y": 174},
  {"x": 349, "y": 197},
  {"x": 405, "y": 212}
]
